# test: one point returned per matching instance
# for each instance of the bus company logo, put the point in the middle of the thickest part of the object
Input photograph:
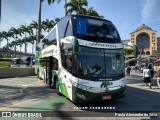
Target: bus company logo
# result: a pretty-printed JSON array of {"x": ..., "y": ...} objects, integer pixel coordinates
[
  {"x": 106, "y": 84},
  {"x": 102, "y": 45}
]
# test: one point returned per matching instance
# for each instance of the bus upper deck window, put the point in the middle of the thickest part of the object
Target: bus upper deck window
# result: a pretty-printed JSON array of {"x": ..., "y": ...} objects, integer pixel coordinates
[{"x": 81, "y": 25}]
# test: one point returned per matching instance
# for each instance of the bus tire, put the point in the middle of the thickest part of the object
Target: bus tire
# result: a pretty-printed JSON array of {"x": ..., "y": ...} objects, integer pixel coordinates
[
  {"x": 57, "y": 87},
  {"x": 52, "y": 85}
]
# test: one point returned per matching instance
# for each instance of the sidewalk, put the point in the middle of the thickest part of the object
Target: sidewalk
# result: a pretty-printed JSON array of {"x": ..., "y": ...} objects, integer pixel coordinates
[
  {"x": 135, "y": 79},
  {"x": 136, "y": 73}
]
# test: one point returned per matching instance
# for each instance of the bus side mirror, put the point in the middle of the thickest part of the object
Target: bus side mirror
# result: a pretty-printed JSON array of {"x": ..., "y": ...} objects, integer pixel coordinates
[{"x": 75, "y": 46}]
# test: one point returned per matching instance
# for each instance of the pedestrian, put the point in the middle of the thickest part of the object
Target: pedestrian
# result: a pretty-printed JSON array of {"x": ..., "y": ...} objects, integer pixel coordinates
[
  {"x": 147, "y": 77},
  {"x": 152, "y": 72},
  {"x": 158, "y": 78},
  {"x": 128, "y": 70}
]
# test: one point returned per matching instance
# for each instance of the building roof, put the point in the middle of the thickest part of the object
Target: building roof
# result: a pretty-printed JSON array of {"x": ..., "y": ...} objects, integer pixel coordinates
[{"x": 143, "y": 26}]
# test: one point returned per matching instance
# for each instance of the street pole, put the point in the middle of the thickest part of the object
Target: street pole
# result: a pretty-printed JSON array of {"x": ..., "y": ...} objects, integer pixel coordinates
[
  {"x": 25, "y": 51},
  {"x": 0, "y": 10},
  {"x": 39, "y": 23},
  {"x": 65, "y": 7}
]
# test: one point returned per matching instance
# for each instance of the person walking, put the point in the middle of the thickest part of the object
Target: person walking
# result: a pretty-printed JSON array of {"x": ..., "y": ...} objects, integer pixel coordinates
[
  {"x": 158, "y": 78},
  {"x": 128, "y": 70},
  {"x": 147, "y": 77},
  {"x": 152, "y": 72}
]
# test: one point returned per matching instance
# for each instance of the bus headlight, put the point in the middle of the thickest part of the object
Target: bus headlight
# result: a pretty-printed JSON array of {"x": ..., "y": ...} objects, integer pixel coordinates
[{"x": 123, "y": 82}]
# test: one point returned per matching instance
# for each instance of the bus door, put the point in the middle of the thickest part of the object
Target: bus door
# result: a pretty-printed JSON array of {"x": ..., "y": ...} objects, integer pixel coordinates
[{"x": 49, "y": 65}]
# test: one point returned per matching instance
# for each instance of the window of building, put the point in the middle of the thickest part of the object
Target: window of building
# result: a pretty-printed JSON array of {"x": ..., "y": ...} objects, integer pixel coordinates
[{"x": 143, "y": 41}]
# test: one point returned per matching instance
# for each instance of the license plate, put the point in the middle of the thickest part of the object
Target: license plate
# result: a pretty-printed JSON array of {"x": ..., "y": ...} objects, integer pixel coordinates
[{"x": 106, "y": 97}]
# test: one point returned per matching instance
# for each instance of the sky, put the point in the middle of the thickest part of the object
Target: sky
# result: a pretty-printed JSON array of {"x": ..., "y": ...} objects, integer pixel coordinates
[{"x": 126, "y": 15}]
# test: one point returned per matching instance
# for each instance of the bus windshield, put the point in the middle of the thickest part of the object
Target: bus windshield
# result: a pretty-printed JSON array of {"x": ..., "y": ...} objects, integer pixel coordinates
[
  {"x": 101, "y": 29},
  {"x": 94, "y": 62}
]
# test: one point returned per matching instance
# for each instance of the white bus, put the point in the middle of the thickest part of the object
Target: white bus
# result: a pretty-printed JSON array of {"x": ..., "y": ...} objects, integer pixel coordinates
[{"x": 82, "y": 57}]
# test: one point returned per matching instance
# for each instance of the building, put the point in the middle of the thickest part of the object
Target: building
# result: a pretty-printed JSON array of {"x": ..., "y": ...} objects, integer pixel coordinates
[{"x": 145, "y": 38}]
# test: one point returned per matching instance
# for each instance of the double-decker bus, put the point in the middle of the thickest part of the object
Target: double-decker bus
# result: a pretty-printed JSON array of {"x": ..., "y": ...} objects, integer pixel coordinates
[{"x": 82, "y": 57}]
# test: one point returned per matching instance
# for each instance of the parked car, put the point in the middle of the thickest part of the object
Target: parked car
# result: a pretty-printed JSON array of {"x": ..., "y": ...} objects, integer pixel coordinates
[
  {"x": 16, "y": 62},
  {"x": 27, "y": 61}
]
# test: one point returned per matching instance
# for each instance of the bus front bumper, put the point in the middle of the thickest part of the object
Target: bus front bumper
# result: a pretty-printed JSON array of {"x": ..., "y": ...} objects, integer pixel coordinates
[{"x": 82, "y": 96}]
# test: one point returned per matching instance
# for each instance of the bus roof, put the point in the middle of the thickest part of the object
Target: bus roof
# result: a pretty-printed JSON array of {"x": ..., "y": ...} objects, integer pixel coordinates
[{"x": 79, "y": 15}]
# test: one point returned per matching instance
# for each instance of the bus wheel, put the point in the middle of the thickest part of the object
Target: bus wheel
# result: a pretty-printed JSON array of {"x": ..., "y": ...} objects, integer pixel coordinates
[{"x": 57, "y": 88}]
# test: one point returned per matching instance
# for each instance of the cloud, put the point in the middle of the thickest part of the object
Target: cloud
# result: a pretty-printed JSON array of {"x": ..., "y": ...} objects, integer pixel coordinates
[
  {"x": 148, "y": 9},
  {"x": 14, "y": 15}
]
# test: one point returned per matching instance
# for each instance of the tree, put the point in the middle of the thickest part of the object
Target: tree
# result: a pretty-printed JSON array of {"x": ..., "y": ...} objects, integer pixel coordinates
[
  {"x": 20, "y": 42},
  {"x": 6, "y": 35},
  {"x": 26, "y": 29},
  {"x": 34, "y": 25},
  {"x": 47, "y": 25},
  {"x": 156, "y": 53},
  {"x": 76, "y": 6},
  {"x": 39, "y": 17},
  {"x": 92, "y": 12},
  {"x": 31, "y": 40},
  {"x": 15, "y": 32},
  {"x": 0, "y": 38},
  {"x": 14, "y": 43},
  {"x": 128, "y": 51}
]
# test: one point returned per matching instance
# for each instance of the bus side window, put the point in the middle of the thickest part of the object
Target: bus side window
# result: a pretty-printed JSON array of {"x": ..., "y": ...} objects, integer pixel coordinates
[
  {"x": 68, "y": 63},
  {"x": 69, "y": 30},
  {"x": 62, "y": 27}
]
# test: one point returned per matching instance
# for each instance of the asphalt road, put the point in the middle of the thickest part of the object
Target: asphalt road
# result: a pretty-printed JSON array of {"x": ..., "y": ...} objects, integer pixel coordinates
[{"x": 29, "y": 94}]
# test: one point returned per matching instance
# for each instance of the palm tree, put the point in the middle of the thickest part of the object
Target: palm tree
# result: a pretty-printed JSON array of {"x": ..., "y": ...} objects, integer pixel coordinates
[
  {"x": 31, "y": 39},
  {"x": 57, "y": 20},
  {"x": 39, "y": 17},
  {"x": 34, "y": 25},
  {"x": 76, "y": 6},
  {"x": 6, "y": 35},
  {"x": 47, "y": 25},
  {"x": 26, "y": 29},
  {"x": 50, "y": 1},
  {"x": 19, "y": 42},
  {"x": 0, "y": 38},
  {"x": 15, "y": 32},
  {"x": 128, "y": 51},
  {"x": 14, "y": 43},
  {"x": 92, "y": 12}
]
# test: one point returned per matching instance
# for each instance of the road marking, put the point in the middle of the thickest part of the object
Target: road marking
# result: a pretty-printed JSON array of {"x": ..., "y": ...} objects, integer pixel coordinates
[{"x": 25, "y": 101}]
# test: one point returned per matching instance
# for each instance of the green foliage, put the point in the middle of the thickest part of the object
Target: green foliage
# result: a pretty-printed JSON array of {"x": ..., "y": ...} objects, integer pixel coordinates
[
  {"x": 128, "y": 51},
  {"x": 156, "y": 53}
]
